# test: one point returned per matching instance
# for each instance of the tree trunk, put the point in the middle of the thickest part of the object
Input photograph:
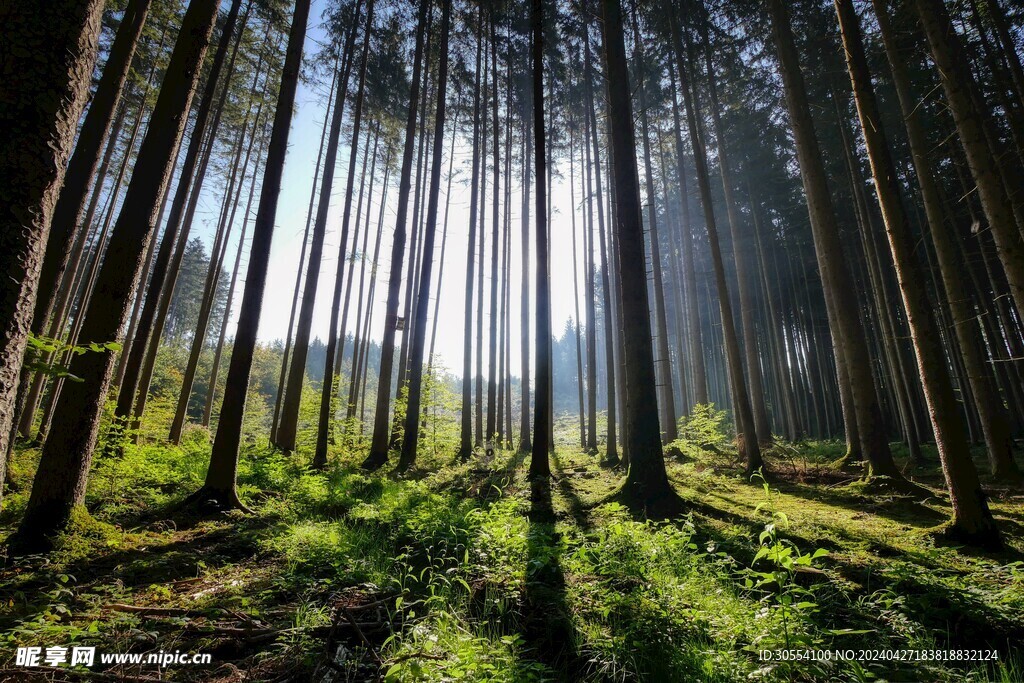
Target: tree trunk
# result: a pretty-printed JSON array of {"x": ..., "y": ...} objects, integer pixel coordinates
[
  {"x": 647, "y": 487},
  {"x": 840, "y": 294},
  {"x": 410, "y": 440},
  {"x": 991, "y": 413},
  {"x": 666, "y": 397},
  {"x": 610, "y": 302},
  {"x": 540, "y": 466},
  {"x": 82, "y": 167},
  {"x": 466, "y": 418},
  {"x": 381, "y": 420},
  {"x": 287, "y": 427},
  {"x": 219, "y": 487},
  {"x": 59, "y": 487},
  {"x": 282, "y": 377},
  {"x": 972, "y": 520},
  {"x": 46, "y": 67},
  {"x": 492, "y": 347},
  {"x": 132, "y": 395},
  {"x": 333, "y": 343}
]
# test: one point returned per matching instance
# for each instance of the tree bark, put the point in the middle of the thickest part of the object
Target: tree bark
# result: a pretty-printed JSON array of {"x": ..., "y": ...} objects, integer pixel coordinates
[
  {"x": 219, "y": 487},
  {"x": 847, "y": 329},
  {"x": 59, "y": 487},
  {"x": 647, "y": 487},
  {"x": 381, "y": 421}
]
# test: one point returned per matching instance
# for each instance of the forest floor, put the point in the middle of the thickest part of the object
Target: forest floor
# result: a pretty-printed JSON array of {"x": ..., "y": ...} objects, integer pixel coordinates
[{"x": 470, "y": 572}]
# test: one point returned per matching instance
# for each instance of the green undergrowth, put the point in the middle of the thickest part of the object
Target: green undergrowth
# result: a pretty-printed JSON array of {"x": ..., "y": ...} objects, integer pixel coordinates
[{"x": 467, "y": 571}]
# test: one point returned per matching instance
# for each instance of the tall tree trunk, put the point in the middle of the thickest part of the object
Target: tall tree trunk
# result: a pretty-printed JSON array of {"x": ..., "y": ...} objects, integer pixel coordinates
[
  {"x": 82, "y": 167},
  {"x": 466, "y": 416},
  {"x": 647, "y": 486},
  {"x": 132, "y": 394},
  {"x": 381, "y": 420},
  {"x": 282, "y": 377},
  {"x": 840, "y": 295},
  {"x": 492, "y": 347},
  {"x": 540, "y": 465},
  {"x": 666, "y": 397},
  {"x": 991, "y": 413},
  {"x": 46, "y": 67},
  {"x": 963, "y": 99},
  {"x": 287, "y": 427},
  {"x": 972, "y": 521},
  {"x": 410, "y": 440},
  {"x": 326, "y": 417},
  {"x": 576, "y": 293},
  {"x": 525, "y": 440},
  {"x": 219, "y": 487},
  {"x": 615, "y": 380},
  {"x": 59, "y": 487}
]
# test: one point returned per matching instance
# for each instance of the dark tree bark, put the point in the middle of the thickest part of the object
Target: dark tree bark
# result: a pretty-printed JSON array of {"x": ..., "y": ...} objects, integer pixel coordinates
[
  {"x": 972, "y": 521},
  {"x": 219, "y": 489},
  {"x": 647, "y": 487},
  {"x": 410, "y": 439},
  {"x": 82, "y": 167},
  {"x": 540, "y": 466},
  {"x": 47, "y": 60},
  {"x": 381, "y": 421},
  {"x": 59, "y": 487}
]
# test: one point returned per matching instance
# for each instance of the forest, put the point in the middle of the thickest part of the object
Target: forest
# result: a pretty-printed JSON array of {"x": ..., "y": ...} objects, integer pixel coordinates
[{"x": 511, "y": 340}]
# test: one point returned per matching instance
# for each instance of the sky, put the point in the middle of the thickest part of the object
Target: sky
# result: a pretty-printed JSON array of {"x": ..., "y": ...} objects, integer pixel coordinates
[{"x": 303, "y": 144}]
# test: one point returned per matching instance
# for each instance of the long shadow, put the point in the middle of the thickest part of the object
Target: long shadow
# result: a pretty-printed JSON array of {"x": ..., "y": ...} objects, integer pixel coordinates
[
  {"x": 547, "y": 624},
  {"x": 579, "y": 510},
  {"x": 897, "y": 508}
]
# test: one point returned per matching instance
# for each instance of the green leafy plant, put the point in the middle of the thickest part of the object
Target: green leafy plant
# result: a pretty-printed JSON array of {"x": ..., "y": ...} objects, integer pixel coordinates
[{"x": 51, "y": 356}]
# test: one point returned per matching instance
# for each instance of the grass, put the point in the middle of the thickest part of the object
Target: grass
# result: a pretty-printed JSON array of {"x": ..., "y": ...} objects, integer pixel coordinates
[{"x": 471, "y": 572}]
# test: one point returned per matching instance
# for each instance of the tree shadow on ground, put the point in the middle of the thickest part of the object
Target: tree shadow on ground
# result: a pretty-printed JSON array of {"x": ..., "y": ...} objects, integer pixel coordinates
[
  {"x": 577, "y": 508},
  {"x": 547, "y": 625},
  {"x": 898, "y": 508}
]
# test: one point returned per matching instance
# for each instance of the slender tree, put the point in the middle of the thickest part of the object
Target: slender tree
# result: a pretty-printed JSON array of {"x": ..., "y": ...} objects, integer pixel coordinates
[
  {"x": 287, "y": 428},
  {"x": 410, "y": 440},
  {"x": 972, "y": 520},
  {"x": 218, "y": 490},
  {"x": 381, "y": 421}
]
